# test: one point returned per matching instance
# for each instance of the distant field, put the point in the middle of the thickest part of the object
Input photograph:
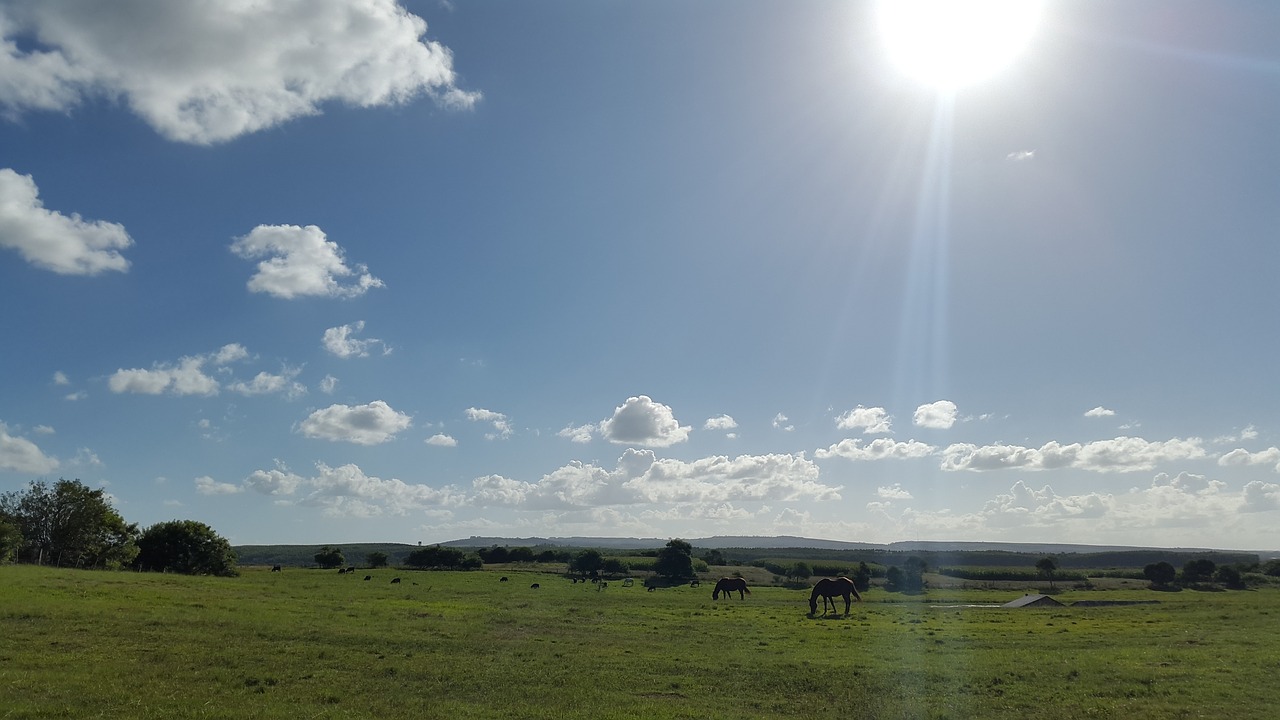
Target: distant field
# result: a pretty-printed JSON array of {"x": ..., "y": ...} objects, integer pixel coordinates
[{"x": 308, "y": 643}]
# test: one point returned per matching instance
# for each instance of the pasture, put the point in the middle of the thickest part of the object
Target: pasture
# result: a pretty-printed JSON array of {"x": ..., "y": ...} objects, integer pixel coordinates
[{"x": 315, "y": 644}]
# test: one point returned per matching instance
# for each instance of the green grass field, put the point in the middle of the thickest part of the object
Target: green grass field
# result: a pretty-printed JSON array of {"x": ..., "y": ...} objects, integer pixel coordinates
[{"x": 307, "y": 644}]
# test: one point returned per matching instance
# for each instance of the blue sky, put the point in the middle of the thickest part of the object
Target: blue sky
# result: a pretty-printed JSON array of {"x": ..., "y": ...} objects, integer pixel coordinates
[{"x": 358, "y": 271}]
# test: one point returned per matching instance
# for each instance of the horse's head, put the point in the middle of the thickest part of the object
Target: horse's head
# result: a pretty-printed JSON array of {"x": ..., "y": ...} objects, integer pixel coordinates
[{"x": 813, "y": 605}]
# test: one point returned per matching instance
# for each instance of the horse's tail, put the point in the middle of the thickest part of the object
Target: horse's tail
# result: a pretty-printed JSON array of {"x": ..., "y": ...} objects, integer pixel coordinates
[{"x": 746, "y": 589}]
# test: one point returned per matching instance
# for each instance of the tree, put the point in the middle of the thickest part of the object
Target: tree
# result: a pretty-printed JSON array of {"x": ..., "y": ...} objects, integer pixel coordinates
[
  {"x": 376, "y": 559},
  {"x": 1161, "y": 574},
  {"x": 10, "y": 540},
  {"x": 714, "y": 557},
  {"x": 520, "y": 554},
  {"x": 675, "y": 561},
  {"x": 330, "y": 557},
  {"x": 187, "y": 547},
  {"x": 862, "y": 577},
  {"x": 440, "y": 558},
  {"x": 587, "y": 562},
  {"x": 1271, "y": 567},
  {"x": 1047, "y": 567},
  {"x": 69, "y": 525},
  {"x": 1198, "y": 570},
  {"x": 800, "y": 571},
  {"x": 1229, "y": 577}
]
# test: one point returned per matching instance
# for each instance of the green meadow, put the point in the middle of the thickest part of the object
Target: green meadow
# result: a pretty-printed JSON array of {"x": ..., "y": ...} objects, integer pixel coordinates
[{"x": 316, "y": 644}]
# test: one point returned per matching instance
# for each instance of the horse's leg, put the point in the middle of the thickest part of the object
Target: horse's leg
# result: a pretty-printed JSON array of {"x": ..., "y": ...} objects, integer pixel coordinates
[{"x": 846, "y": 603}]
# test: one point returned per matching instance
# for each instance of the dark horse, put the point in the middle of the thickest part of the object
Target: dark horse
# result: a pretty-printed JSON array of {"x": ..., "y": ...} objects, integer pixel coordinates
[
  {"x": 829, "y": 589},
  {"x": 729, "y": 585}
]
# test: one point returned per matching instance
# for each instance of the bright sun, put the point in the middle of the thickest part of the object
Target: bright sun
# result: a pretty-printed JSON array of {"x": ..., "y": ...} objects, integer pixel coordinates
[{"x": 949, "y": 44}]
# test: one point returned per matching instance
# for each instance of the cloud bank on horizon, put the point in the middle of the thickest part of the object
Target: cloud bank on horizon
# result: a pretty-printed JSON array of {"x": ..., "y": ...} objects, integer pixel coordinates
[{"x": 763, "y": 322}]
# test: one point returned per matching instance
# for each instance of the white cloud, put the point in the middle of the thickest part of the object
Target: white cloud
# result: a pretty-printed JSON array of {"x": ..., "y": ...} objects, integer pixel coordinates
[
  {"x": 187, "y": 377},
  {"x": 878, "y": 449},
  {"x": 43, "y": 430},
  {"x": 720, "y": 422},
  {"x": 268, "y": 384},
  {"x": 300, "y": 261},
  {"x": 328, "y": 384},
  {"x": 1021, "y": 155},
  {"x": 641, "y": 421},
  {"x": 441, "y": 440},
  {"x": 60, "y": 378},
  {"x": 871, "y": 421},
  {"x": 65, "y": 244},
  {"x": 1240, "y": 456},
  {"x": 1099, "y": 412},
  {"x": 1260, "y": 497},
  {"x": 208, "y": 486},
  {"x": 894, "y": 492},
  {"x": 21, "y": 455},
  {"x": 501, "y": 426},
  {"x": 370, "y": 424},
  {"x": 348, "y": 491},
  {"x": 1123, "y": 454},
  {"x": 939, "y": 415},
  {"x": 781, "y": 422},
  {"x": 278, "y": 481},
  {"x": 339, "y": 341},
  {"x": 580, "y": 434},
  {"x": 209, "y": 72}
]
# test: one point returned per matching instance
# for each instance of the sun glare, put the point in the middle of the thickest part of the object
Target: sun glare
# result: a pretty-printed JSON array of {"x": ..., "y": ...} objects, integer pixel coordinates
[{"x": 948, "y": 44}]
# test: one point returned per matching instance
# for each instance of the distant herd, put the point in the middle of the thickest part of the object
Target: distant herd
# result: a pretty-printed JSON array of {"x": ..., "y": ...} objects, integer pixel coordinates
[{"x": 827, "y": 588}]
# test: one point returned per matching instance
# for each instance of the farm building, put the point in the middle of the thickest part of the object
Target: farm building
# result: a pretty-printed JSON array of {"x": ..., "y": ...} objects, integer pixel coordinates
[{"x": 1033, "y": 601}]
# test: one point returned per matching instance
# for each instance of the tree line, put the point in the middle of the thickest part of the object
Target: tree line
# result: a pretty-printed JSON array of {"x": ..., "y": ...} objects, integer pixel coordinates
[{"x": 69, "y": 524}]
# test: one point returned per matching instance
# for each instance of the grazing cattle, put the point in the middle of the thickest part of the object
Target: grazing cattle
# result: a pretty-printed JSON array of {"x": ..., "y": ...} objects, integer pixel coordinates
[
  {"x": 368, "y": 577},
  {"x": 602, "y": 585},
  {"x": 628, "y": 582},
  {"x": 695, "y": 582},
  {"x": 275, "y": 568},
  {"x": 342, "y": 571},
  {"x": 534, "y": 586},
  {"x": 653, "y": 588},
  {"x": 503, "y": 579},
  {"x": 351, "y": 569},
  {"x": 729, "y": 586},
  {"x": 395, "y": 581}
]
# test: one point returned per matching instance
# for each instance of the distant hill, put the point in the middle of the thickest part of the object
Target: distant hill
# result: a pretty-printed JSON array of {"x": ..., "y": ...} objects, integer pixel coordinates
[{"x": 746, "y": 549}]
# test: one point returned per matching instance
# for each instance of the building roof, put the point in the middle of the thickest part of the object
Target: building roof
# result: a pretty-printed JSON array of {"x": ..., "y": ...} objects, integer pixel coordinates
[{"x": 1033, "y": 601}]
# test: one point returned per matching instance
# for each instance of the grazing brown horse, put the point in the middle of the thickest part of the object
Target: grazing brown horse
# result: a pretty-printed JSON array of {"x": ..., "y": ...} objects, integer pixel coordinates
[
  {"x": 829, "y": 589},
  {"x": 730, "y": 585}
]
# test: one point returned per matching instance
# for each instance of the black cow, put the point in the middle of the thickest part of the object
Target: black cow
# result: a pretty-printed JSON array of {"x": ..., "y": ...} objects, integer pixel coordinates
[
  {"x": 395, "y": 581},
  {"x": 275, "y": 568}
]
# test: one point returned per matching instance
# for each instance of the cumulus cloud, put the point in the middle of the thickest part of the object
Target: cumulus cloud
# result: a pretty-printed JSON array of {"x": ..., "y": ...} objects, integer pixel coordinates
[
  {"x": 1099, "y": 412},
  {"x": 641, "y": 421},
  {"x": 340, "y": 341},
  {"x": 21, "y": 455},
  {"x": 60, "y": 378},
  {"x": 209, "y": 72},
  {"x": 328, "y": 384},
  {"x": 939, "y": 415},
  {"x": 501, "y": 425},
  {"x": 1021, "y": 155},
  {"x": 441, "y": 440},
  {"x": 782, "y": 422},
  {"x": 347, "y": 490},
  {"x": 370, "y": 424},
  {"x": 1123, "y": 454},
  {"x": 1260, "y": 496},
  {"x": 579, "y": 434},
  {"x": 878, "y": 449},
  {"x": 1240, "y": 456},
  {"x": 894, "y": 492},
  {"x": 277, "y": 481},
  {"x": 186, "y": 377},
  {"x": 720, "y": 422},
  {"x": 871, "y": 421},
  {"x": 300, "y": 262},
  {"x": 208, "y": 486},
  {"x": 265, "y": 383},
  {"x": 65, "y": 244}
]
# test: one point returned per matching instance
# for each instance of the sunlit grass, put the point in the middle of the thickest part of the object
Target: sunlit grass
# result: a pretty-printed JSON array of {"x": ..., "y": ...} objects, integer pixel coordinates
[{"x": 442, "y": 645}]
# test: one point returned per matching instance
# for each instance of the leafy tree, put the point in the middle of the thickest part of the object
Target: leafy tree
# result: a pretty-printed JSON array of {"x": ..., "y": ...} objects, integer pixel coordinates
[
  {"x": 615, "y": 567},
  {"x": 675, "y": 560},
  {"x": 520, "y": 554},
  {"x": 438, "y": 557},
  {"x": 10, "y": 540},
  {"x": 1047, "y": 567},
  {"x": 1271, "y": 567},
  {"x": 330, "y": 557},
  {"x": 493, "y": 555},
  {"x": 1198, "y": 570},
  {"x": 800, "y": 571},
  {"x": 714, "y": 557},
  {"x": 187, "y": 547},
  {"x": 550, "y": 556},
  {"x": 862, "y": 577},
  {"x": 1230, "y": 577},
  {"x": 69, "y": 525},
  {"x": 376, "y": 559},
  {"x": 1161, "y": 574},
  {"x": 893, "y": 579},
  {"x": 587, "y": 562}
]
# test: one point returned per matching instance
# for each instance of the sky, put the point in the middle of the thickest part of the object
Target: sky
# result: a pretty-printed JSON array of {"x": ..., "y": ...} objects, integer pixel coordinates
[{"x": 334, "y": 271}]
